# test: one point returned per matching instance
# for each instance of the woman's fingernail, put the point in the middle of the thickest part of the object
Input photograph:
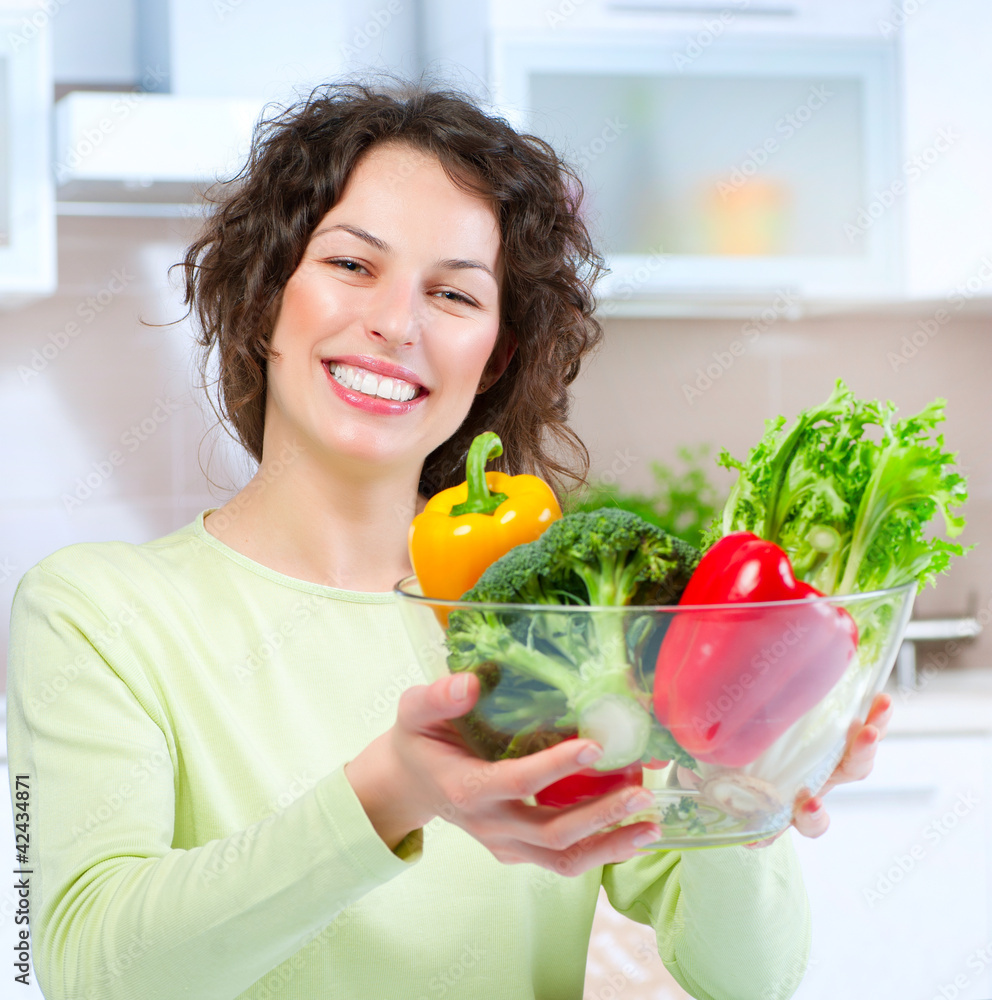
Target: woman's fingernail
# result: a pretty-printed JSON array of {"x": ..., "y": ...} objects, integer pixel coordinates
[
  {"x": 813, "y": 807},
  {"x": 648, "y": 837},
  {"x": 639, "y": 801},
  {"x": 459, "y": 688},
  {"x": 590, "y": 754}
]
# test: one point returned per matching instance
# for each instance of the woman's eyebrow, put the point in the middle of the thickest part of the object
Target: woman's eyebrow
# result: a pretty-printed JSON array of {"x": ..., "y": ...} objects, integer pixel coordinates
[
  {"x": 451, "y": 264},
  {"x": 460, "y": 264},
  {"x": 355, "y": 231}
]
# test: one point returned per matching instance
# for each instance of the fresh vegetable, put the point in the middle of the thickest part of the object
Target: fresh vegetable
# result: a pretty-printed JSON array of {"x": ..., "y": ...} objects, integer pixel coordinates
[
  {"x": 849, "y": 510},
  {"x": 547, "y": 677},
  {"x": 847, "y": 493},
  {"x": 729, "y": 683},
  {"x": 463, "y": 529},
  {"x": 588, "y": 784}
]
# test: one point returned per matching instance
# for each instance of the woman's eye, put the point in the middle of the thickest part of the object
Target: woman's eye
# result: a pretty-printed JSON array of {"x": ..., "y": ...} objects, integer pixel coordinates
[
  {"x": 345, "y": 264},
  {"x": 455, "y": 297}
]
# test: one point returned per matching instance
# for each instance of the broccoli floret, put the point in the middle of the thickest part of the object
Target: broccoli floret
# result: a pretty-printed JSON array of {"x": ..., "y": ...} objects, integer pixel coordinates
[
  {"x": 619, "y": 557},
  {"x": 549, "y": 675}
]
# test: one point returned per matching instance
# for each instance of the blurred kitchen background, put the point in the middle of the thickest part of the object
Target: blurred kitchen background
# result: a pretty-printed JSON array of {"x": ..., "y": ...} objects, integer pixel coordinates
[{"x": 787, "y": 193}]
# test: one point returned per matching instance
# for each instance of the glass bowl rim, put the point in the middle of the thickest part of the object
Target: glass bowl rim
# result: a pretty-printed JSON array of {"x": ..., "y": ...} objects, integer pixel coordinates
[{"x": 829, "y": 599}]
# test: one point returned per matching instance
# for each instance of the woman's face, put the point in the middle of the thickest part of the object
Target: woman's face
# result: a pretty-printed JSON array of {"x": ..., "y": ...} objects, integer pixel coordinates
[{"x": 386, "y": 326}]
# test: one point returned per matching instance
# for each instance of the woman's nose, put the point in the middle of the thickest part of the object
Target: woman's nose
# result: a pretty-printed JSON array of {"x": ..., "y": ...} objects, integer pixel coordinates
[{"x": 395, "y": 312}]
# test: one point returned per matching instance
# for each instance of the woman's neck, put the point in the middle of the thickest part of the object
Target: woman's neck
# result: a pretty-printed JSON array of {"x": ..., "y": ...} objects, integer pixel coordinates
[{"x": 308, "y": 522}]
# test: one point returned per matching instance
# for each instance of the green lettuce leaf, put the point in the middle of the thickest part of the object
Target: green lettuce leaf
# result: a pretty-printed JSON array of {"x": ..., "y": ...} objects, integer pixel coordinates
[{"x": 847, "y": 492}]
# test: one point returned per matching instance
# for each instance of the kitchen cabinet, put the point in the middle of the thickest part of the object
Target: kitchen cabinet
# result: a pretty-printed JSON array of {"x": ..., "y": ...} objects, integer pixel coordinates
[
  {"x": 850, "y": 18},
  {"x": 737, "y": 174},
  {"x": 706, "y": 199},
  {"x": 901, "y": 885},
  {"x": 946, "y": 77},
  {"x": 27, "y": 199}
]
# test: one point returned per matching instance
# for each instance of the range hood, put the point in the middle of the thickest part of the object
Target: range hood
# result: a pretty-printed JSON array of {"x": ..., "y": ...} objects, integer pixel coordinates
[
  {"x": 208, "y": 73},
  {"x": 154, "y": 153}
]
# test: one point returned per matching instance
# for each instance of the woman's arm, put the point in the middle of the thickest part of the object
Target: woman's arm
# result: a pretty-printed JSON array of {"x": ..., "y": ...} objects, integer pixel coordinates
[
  {"x": 116, "y": 912},
  {"x": 732, "y": 924}
]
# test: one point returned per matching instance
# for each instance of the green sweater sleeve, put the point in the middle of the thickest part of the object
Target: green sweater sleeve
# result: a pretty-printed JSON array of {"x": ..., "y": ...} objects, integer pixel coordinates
[
  {"x": 732, "y": 923},
  {"x": 116, "y": 911}
]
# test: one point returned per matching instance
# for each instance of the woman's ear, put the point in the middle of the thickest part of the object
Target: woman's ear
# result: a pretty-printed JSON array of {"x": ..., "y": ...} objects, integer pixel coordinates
[{"x": 504, "y": 350}]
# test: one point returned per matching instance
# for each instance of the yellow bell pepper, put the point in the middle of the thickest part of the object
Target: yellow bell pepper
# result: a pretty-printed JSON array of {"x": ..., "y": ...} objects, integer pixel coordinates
[{"x": 462, "y": 530}]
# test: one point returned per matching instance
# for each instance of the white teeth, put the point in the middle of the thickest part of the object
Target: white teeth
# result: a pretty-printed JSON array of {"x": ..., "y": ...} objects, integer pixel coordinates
[{"x": 360, "y": 380}]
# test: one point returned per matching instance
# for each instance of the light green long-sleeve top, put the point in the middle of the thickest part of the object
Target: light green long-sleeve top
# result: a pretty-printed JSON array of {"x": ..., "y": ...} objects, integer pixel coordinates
[{"x": 183, "y": 715}]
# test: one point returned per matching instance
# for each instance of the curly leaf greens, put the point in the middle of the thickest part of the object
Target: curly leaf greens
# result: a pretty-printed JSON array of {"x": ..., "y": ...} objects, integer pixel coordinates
[{"x": 847, "y": 491}]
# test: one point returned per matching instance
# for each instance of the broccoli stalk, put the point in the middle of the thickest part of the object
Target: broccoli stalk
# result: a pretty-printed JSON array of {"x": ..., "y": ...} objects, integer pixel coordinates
[{"x": 606, "y": 559}]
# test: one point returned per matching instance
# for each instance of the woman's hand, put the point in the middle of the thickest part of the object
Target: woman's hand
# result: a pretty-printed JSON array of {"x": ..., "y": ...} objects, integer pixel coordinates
[
  {"x": 421, "y": 768},
  {"x": 808, "y": 815}
]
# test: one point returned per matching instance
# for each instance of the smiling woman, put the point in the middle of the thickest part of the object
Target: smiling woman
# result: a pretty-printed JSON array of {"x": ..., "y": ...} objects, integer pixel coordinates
[{"x": 250, "y": 790}]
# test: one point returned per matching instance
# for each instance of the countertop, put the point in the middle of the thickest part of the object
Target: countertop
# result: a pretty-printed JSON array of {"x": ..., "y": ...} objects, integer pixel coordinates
[{"x": 948, "y": 701}]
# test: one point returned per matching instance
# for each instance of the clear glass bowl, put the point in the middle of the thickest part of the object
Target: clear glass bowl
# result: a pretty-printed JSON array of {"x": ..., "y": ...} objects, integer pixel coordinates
[{"x": 757, "y": 698}]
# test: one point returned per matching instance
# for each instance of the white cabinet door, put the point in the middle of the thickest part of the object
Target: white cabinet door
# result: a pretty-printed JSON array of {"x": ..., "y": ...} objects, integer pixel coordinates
[
  {"x": 947, "y": 138},
  {"x": 27, "y": 191},
  {"x": 900, "y": 885}
]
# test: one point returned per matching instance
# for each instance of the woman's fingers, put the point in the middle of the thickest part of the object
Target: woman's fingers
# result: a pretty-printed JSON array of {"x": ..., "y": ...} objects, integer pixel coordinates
[
  {"x": 448, "y": 698},
  {"x": 809, "y": 817},
  {"x": 523, "y": 777},
  {"x": 880, "y": 714},
  {"x": 612, "y": 847}
]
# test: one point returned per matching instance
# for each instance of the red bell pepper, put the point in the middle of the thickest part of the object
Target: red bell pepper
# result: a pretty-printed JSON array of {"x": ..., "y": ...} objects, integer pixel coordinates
[
  {"x": 588, "y": 783},
  {"x": 729, "y": 682}
]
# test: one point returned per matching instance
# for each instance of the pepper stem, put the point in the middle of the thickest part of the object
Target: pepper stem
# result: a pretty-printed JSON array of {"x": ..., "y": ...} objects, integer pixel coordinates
[{"x": 480, "y": 501}]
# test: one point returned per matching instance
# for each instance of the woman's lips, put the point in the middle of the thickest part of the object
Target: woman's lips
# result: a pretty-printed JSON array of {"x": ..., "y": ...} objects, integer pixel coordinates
[
  {"x": 377, "y": 366},
  {"x": 372, "y": 404}
]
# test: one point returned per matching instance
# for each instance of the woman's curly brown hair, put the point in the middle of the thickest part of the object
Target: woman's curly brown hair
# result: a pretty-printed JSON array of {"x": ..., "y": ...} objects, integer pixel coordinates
[{"x": 300, "y": 160}]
